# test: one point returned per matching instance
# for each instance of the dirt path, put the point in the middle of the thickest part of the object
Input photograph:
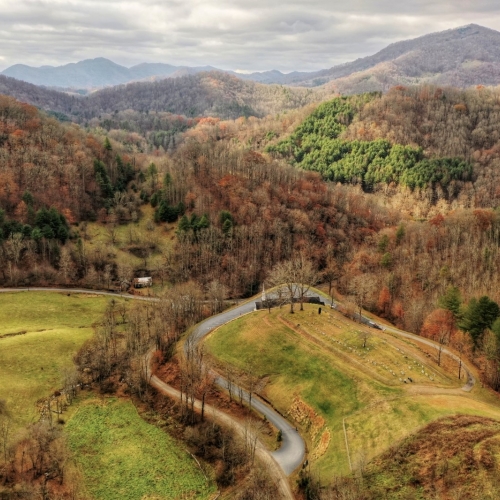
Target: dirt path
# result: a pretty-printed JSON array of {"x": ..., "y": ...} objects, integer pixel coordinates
[{"x": 262, "y": 453}]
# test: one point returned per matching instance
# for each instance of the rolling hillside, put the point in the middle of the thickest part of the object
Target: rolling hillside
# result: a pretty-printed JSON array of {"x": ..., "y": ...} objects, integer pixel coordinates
[
  {"x": 340, "y": 383},
  {"x": 461, "y": 57},
  {"x": 469, "y": 55},
  {"x": 203, "y": 94},
  {"x": 444, "y": 141},
  {"x": 46, "y": 99}
]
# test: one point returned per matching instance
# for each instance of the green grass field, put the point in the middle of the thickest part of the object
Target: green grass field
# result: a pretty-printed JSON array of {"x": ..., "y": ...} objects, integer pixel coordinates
[
  {"x": 118, "y": 454},
  {"x": 319, "y": 374},
  {"x": 123, "y": 457},
  {"x": 32, "y": 363}
]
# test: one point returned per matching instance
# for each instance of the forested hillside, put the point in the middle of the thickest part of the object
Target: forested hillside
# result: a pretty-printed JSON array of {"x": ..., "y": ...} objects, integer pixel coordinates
[
  {"x": 415, "y": 260},
  {"x": 316, "y": 146},
  {"x": 441, "y": 144},
  {"x": 204, "y": 94},
  {"x": 141, "y": 132},
  {"x": 444, "y": 123},
  {"x": 259, "y": 213},
  {"x": 51, "y": 162},
  {"x": 213, "y": 94},
  {"x": 51, "y": 177},
  {"x": 238, "y": 213},
  {"x": 49, "y": 100},
  {"x": 216, "y": 210},
  {"x": 400, "y": 268}
]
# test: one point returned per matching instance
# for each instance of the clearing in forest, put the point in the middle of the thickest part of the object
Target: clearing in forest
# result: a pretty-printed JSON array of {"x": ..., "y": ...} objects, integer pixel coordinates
[
  {"x": 132, "y": 245},
  {"x": 324, "y": 371}
]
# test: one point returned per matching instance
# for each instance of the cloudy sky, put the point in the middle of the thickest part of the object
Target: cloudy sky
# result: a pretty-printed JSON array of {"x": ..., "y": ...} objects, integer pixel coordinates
[{"x": 229, "y": 34}]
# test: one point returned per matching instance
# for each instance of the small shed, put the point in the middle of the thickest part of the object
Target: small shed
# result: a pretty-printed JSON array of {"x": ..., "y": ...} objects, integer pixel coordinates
[{"x": 143, "y": 282}]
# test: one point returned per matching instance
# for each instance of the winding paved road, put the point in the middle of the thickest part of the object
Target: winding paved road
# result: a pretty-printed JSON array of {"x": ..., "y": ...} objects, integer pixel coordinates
[
  {"x": 261, "y": 451},
  {"x": 292, "y": 452}
]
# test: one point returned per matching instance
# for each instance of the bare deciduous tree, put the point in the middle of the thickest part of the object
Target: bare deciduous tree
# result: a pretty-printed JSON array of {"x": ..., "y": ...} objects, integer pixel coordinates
[
  {"x": 295, "y": 276},
  {"x": 361, "y": 287}
]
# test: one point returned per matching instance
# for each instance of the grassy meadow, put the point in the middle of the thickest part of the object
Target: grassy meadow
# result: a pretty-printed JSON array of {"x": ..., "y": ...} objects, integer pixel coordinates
[
  {"x": 117, "y": 454},
  {"x": 121, "y": 456},
  {"x": 39, "y": 334},
  {"x": 316, "y": 371}
]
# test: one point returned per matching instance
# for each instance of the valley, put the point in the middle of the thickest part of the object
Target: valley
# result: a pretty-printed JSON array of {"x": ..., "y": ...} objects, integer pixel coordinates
[
  {"x": 373, "y": 185},
  {"x": 353, "y": 391}
]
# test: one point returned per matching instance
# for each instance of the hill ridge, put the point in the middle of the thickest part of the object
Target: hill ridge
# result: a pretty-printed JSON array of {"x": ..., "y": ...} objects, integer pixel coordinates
[{"x": 468, "y": 44}]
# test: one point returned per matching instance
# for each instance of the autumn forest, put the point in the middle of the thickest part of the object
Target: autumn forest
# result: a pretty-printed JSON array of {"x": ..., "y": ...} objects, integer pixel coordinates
[{"x": 392, "y": 199}]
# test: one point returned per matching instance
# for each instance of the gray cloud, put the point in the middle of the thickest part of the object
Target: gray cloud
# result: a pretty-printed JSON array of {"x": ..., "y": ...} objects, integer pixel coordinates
[{"x": 230, "y": 34}]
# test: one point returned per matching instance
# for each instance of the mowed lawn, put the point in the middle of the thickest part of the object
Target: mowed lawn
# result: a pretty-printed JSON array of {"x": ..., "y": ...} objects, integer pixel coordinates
[
  {"x": 320, "y": 361},
  {"x": 32, "y": 364},
  {"x": 122, "y": 457}
]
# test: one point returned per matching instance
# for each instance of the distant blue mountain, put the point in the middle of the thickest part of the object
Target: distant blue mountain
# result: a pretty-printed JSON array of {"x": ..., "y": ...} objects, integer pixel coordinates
[{"x": 95, "y": 73}]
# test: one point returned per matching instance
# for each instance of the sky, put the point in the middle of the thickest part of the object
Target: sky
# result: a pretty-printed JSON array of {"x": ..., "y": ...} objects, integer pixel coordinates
[{"x": 245, "y": 35}]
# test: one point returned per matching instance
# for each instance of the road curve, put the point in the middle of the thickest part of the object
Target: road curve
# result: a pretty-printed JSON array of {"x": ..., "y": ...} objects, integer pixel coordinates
[
  {"x": 292, "y": 451},
  {"x": 263, "y": 454}
]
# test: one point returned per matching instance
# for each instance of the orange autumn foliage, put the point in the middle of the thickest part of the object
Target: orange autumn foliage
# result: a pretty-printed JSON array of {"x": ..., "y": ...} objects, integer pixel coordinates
[{"x": 438, "y": 323}]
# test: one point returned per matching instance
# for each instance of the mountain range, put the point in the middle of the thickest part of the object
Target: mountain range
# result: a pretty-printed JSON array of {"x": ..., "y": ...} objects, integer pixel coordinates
[
  {"x": 461, "y": 57},
  {"x": 96, "y": 73},
  {"x": 437, "y": 57},
  {"x": 464, "y": 56}
]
